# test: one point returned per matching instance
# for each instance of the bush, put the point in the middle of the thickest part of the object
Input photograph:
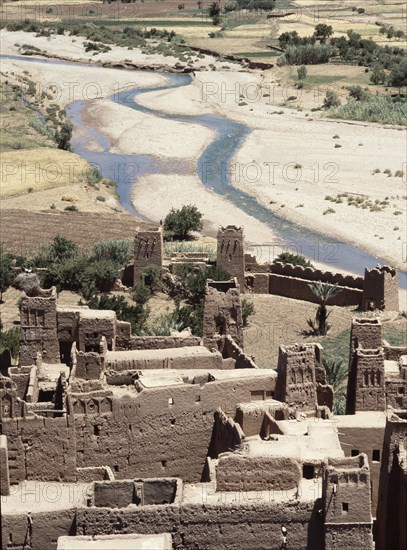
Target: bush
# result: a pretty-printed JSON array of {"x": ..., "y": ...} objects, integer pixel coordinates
[
  {"x": 302, "y": 72},
  {"x": 141, "y": 293},
  {"x": 294, "y": 259},
  {"x": 247, "y": 310},
  {"x": 331, "y": 99},
  {"x": 120, "y": 251},
  {"x": 71, "y": 208},
  {"x": 63, "y": 136},
  {"x": 135, "y": 315},
  {"x": 181, "y": 222},
  {"x": 378, "y": 75},
  {"x": 152, "y": 277},
  {"x": 306, "y": 54},
  {"x": 10, "y": 339},
  {"x": 357, "y": 92},
  {"x": 382, "y": 109},
  {"x": 6, "y": 272}
]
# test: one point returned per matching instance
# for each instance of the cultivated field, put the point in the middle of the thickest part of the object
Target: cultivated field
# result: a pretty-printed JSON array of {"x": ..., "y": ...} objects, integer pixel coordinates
[{"x": 23, "y": 232}]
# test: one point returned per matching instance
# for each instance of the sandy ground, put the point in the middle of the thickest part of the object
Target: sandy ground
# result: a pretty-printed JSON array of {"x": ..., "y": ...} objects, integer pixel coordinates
[
  {"x": 138, "y": 133},
  {"x": 309, "y": 162},
  {"x": 291, "y": 160}
]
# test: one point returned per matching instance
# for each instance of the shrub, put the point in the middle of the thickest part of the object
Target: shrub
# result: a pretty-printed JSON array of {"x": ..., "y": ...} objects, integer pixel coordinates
[
  {"x": 10, "y": 339},
  {"x": 331, "y": 99},
  {"x": 141, "y": 293},
  {"x": 118, "y": 251},
  {"x": 294, "y": 259},
  {"x": 247, "y": 310},
  {"x": 302, "y": 72},
  {"x": 94, "y": 175},
  {"x": 152, "y": 277},
  {"x": 135, "y": 315},
  {"x": 6, "y": 272},
  {"x": 101, "y": 198},
  {"x": 71, "y": 208}
]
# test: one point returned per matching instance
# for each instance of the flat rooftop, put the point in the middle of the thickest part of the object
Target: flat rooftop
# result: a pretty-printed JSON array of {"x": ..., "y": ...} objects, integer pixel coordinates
[
  {"x": 162, "y": 541},
  {"x": 158, "y": 377},
  {"x": 45, "y": 496},
  {"x": 362, "y": 419},
  {"x": 319, "y": 440},
  {"x": 149, "y": 354},
  {"x": 308, "y": 491}
]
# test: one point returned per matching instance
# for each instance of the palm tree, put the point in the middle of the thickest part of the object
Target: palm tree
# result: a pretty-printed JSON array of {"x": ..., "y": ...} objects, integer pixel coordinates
[
  {"x": 323, "y": 292},
  {"x": 337, "y": 376}
]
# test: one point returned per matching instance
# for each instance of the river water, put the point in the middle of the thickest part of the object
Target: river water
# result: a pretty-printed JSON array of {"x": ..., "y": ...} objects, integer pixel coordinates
[{"x": 212, "y": 170}]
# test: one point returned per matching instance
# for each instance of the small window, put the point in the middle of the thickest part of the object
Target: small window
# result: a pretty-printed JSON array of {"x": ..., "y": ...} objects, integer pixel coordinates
[
  {"x": 401, "y": 390},
  {"x": 96, "y": 430},
  {"x": 116, "y": 467},
  {"x": 376, "y": 455},
  {"x": 308, "y": 471},
  {"x": 345, "y": 507},
  {"x": 172, "y": 421},
  {"x": 354, "y": 452},
  {"x": 163, "y": 463},
  {"x": 170, "y": 401}
]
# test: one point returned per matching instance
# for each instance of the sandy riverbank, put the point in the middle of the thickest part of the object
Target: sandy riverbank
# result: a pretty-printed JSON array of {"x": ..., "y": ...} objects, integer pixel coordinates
[
  {"x": 290, "y": 162},
  {"x": 313, "y": 157}
]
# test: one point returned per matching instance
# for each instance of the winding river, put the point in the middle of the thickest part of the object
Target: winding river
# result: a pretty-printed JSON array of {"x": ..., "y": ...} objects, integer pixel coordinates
[{"x": 125, "y": 169}]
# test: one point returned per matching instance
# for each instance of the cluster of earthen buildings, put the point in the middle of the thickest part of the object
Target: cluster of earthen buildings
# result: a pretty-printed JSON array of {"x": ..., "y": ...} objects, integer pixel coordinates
[{"x": 110, "y": 440}]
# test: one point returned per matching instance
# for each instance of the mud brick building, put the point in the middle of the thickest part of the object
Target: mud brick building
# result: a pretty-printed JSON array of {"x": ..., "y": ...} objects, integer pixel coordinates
[{"x": 184, "y": 442}]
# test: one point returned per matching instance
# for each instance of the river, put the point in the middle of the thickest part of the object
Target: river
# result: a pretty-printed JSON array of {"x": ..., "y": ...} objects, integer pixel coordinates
[{"x": 125, "y": 169}]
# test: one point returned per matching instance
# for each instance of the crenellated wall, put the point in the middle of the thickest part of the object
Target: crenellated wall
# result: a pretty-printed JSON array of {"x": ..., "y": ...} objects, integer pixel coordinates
[{"x": 378, "y": 289}]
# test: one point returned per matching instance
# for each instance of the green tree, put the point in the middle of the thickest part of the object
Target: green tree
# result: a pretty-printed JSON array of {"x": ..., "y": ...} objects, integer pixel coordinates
[
  {"x": 294, "y": 259},
  {"x": 331, "y": 99},
  {"x": 136, "y": 315},
  {"x": 118, "y": 251},
  {"x": 398, "y": 75},
  {"x": 63, "y": 136},
  {"x": 302, "y": 72},
  {"x": 323, "y": 292},
  {"x": 357, "y": 92},
  {"x": 337, "y": 377},
  {"x": 10, "y": 339},
  {"x": 378, "y": 75},
  {"x": 322, "y": 32},
  {"x": 181, "y": 222},
  {"x": 247, "y": 310},
  {"x": 101, "y": 273},
  {"x": 153, "y": 277},
  {"x": 6, "y": 272},
  {"x": 141, "y": 293}
]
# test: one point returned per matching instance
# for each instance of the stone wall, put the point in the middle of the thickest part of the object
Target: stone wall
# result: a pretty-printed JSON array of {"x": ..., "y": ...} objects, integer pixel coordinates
[
  {"x": 163, "y": 342},
  {"x": 230, "y": 350},
  {"x": 164, "y": 431},
  {"x": 40, "y": 449},
  {"x": 235, "y": 472},
  {"x": 205, "y": 526},
  {"x": 222, "y": 312},
  {"x": 378, "y": 289}
]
